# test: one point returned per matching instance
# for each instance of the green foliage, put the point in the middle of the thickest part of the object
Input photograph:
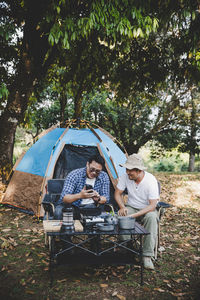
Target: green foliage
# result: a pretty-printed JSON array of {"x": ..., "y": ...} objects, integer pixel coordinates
[
  {"x": 23, "y": 141},
  {"x": 159, "y": 159},
  {"x": 164, "y": 167},
  {"x": 130, "y": 46},
  {"x": 113, "y": 20},
  {"x": 3, "y": 91}
]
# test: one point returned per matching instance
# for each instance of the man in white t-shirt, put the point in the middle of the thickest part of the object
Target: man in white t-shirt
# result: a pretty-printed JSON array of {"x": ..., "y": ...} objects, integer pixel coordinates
[{"x": 143, "y": 195}]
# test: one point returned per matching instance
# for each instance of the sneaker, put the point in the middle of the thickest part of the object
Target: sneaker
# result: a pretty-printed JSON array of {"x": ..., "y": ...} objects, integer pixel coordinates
[{"x": 148, "y": 264}]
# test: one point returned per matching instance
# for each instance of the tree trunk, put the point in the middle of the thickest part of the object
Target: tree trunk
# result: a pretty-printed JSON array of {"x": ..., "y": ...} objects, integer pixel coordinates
[
  {"x": 7, "y": 135},
  {"x": 78, "y": 109},
  {"x": 78, "y": 105},
  {"x": 191, "y": 162},
  {"x": 31, "y": 65},
  {"x": 63, "y": 103}
]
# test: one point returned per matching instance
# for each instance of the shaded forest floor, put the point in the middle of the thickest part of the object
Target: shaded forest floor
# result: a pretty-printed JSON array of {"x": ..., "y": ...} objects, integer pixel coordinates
[{"x": 24, "y": 257}]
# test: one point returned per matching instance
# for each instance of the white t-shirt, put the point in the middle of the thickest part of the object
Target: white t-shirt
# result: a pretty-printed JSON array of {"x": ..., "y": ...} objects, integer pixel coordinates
[
  {"x": 90, "y": 181},
  {"x": 139, "y": 194}
]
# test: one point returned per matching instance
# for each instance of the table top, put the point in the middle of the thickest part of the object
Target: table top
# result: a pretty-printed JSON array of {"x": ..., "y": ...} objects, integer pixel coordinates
[{"x": 137, "y": 230}]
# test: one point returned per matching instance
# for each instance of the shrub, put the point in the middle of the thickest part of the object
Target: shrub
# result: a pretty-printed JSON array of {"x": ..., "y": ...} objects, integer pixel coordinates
[{"x": 164, "y": 166}]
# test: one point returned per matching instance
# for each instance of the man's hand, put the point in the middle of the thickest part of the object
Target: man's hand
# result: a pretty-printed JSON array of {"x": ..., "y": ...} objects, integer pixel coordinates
[
  {"x": 86, "y": 194},
  {"x": 99, "y": 199},
  {"x": 123, "y": 211}
]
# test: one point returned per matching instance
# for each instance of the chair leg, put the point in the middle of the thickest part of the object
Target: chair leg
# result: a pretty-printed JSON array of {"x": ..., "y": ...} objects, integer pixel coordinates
[
  {"x": 158, "y": 234},
  {"x": 157, "y": 244},
  {"x": 49, "y": 242},
  {"x": 45, "y": 239}
]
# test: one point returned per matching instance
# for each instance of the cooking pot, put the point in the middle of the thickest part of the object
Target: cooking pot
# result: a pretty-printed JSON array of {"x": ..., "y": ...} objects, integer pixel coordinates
[
  {"x": 105, "y": 227},
  {"x": 126, "y": 222}
]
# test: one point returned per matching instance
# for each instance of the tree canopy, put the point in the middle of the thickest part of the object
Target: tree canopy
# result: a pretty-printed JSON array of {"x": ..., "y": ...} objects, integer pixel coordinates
[{"x": 128, "y": 45}]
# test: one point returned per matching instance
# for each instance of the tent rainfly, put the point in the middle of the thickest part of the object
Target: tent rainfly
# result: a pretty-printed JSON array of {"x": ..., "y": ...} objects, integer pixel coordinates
[{"x": 57, "y": 152}]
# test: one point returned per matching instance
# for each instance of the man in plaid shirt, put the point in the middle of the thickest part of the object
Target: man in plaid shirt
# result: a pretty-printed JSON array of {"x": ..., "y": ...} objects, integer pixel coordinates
[{"x": 74, "y": 191}]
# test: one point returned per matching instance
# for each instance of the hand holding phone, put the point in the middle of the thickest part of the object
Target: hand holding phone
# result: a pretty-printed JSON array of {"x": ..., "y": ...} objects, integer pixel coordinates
[{"x": 89, "y": 187}]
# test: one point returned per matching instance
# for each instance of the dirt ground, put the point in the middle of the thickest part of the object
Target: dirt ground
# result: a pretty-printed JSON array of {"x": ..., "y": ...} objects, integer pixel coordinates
[{"x": 24, "y": 258}]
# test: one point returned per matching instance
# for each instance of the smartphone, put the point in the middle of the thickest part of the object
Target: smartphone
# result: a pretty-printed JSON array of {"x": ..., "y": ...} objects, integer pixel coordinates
[{"x": 89, "y": 187}]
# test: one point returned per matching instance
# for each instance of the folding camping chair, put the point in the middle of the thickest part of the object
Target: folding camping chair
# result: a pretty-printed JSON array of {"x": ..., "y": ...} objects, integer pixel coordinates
[
  {"x": 161, "y": 206},
  {"x": 54, "y": 189}
]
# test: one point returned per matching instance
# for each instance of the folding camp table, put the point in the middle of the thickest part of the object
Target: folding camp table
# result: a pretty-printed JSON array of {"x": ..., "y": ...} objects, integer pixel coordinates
[{"x": 92, "y": 246}]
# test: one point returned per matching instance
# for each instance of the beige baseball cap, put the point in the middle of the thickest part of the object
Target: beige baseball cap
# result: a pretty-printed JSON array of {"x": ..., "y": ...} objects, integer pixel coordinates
[{"x": 134, "y": 161}]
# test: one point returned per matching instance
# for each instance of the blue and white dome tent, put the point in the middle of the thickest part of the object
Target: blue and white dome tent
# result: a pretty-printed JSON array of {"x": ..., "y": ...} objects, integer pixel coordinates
[{"x": 56, "y": 152}]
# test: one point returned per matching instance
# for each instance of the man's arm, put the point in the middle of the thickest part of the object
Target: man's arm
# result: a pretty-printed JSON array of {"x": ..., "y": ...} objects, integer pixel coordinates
[
  {"x": 118, "y": 198},
  {"x": 148, "y": 208},
  {"x": 104, "y": 194}
]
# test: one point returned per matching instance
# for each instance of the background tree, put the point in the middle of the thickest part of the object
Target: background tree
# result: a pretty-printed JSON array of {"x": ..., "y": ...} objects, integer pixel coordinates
[
  {"x": 28, "y": 28},
  {"x": 190, "y": 125},
  {"x": 24, "y": 61}
]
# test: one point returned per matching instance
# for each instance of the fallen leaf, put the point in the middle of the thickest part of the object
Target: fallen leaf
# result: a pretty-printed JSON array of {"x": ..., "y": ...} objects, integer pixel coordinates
[
  {"x": 36, "y": 240},
  {"x": 62, "y": 280},
  {"x": 161, "y": 249},
  {"x": 196, "y": 257},
  {"x": 120, "y": 297},
  {"x": 6, "y": 230},
  {"x": 114, "y": 294},
  {"x": 103, "y": 285},
  {"x": 30, "y": 292},
  {"x": 4, "y": 268},
  {"x": 146, "y": 289},
  {"x": 159, "y": 290},
  {"x": 45, "y": 262},
  {"x": 114, "y": 273},
  {"x": 178, "y": 280},
  {"x": 178, "y": 294},
  {"x": 5, "y": 245}
]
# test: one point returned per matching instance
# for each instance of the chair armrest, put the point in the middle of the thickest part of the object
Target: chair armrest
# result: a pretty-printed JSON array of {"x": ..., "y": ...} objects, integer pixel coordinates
[
  {"x": 163, "y": 205},
  {"x": 48, "y": 205}
]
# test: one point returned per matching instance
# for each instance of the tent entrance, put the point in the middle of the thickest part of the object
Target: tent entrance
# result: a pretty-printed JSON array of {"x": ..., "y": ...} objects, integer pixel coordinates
[{"x": 73, "y": 157}]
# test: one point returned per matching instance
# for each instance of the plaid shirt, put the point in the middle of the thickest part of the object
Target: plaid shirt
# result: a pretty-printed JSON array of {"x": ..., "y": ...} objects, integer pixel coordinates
[{"x": 75, "y": 182}]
